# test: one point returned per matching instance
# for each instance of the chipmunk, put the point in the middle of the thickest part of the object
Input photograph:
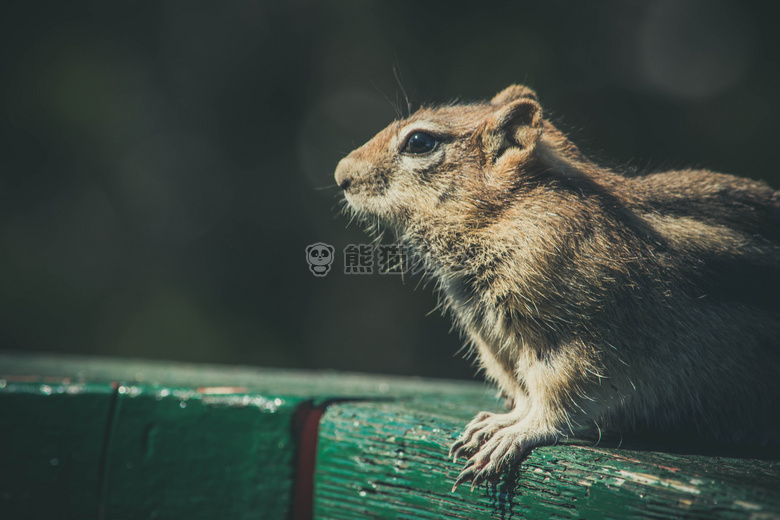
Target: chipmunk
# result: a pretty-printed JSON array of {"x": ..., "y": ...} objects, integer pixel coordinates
[{"x": 597, "y": 302}]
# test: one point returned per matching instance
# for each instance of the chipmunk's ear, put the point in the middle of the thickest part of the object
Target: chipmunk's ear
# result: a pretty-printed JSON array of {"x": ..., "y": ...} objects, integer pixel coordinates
[
  {"x": 516, "y": 122},
  {"x": 511, "y": 93}
]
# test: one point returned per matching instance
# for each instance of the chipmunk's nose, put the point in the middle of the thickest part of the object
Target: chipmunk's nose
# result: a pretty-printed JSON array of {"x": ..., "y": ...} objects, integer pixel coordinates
[{"x": 344, "y": 173}]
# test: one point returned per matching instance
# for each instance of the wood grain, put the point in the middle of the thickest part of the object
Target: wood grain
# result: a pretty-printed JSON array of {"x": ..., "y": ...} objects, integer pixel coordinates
[{"x": 95, "y": 438}]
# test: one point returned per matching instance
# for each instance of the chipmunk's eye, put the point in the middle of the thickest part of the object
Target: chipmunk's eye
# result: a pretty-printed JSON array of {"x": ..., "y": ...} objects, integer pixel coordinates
[{"x": 420, "y": 142}]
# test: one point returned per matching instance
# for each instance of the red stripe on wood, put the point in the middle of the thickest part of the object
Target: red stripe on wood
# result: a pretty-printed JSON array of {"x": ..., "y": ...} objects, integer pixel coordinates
[{"x": 306, "y": 424}]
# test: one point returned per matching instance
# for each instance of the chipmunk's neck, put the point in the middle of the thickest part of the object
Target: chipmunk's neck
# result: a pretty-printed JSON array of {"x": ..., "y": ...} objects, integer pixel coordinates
[{"x": 555, "y": 153}]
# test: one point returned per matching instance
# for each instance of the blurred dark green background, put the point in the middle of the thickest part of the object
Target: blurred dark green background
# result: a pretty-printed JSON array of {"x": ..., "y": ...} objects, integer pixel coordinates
[{"x": 165, "y": 164}]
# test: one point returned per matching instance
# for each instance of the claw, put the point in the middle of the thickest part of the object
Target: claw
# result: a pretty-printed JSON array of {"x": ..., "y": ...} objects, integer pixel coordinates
[
  {"x": 455, "y": 448},
  {"x": 463, "y": 447},
  {"x": 465, "y": 475},
  {"x": 462, "y": 451},
  {"x": 483, "y": 474}
]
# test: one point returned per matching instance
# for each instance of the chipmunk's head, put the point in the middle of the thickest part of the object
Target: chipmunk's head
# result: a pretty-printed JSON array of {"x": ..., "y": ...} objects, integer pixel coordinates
[{"x": 444, "y": 161}]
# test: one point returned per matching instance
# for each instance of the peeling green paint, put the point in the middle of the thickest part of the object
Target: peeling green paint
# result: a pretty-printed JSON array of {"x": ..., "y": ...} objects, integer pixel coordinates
[
  {"x": 389, "y": 460},
  {"x": 90, "y": 438}
]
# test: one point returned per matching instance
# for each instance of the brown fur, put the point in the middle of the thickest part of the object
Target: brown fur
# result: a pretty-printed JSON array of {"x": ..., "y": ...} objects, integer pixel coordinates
[{"x": 594, "y": 300}]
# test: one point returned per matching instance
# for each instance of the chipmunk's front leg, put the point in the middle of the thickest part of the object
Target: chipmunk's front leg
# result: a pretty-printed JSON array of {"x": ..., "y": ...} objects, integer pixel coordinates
[{"x": 544, "y": 410}]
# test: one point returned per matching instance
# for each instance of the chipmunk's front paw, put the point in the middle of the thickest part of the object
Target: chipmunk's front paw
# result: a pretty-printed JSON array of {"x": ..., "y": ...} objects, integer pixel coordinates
[
  {"x": 503, "y": 448},
  {"x": 481, "y": 428}
]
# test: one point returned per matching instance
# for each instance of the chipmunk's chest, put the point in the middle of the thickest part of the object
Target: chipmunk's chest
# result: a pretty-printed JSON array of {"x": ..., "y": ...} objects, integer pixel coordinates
[{"x": 495, "y": 344}]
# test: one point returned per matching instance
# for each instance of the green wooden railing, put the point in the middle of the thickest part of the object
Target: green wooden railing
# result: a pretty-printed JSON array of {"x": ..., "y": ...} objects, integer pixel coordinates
[{"x": 94, "y": 438}]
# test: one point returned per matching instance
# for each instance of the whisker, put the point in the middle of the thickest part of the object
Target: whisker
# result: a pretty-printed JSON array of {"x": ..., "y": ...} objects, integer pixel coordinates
[
  {"x": 398, "y": 112},
  {"x": 399, "y": 80}
]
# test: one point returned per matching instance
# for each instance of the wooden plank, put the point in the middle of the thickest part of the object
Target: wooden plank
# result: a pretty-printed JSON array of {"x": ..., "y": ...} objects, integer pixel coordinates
[
  {"x": 200, "y": 453},
  {"x": 191, "y": 441},
  {"x": 152, "y": 450},
  {"x": 389, "y": 460},
  {"x": 51, "y": 441},
  {"x": 204, "y": 441}
]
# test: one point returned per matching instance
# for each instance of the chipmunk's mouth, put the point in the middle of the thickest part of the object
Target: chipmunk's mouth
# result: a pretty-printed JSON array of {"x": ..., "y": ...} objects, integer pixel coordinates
[
  {"x": 376, "y": 209},
  {"x": 367, "y": 206},
  {"x": 365, "y": 189}
]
